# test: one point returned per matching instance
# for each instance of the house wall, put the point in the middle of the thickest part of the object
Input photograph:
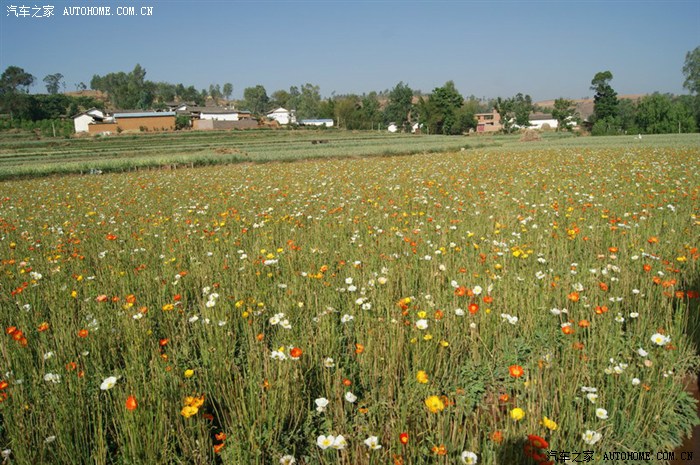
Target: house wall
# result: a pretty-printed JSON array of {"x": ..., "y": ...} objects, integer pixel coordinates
[
  {"x": 219, "y": 116},
  {"x": 149, "y": 123},
  {"x": 81, "y": 123},
  {"x": 282, "y": 118},
  {"x": 98, "y": 128},
  {"x": 210, "y": 125}
]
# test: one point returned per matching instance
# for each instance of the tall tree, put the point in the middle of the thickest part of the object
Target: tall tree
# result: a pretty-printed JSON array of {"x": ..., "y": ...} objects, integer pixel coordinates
[
  {"x": 522, "y": 107},
  {"x": 398, "y": 109},
  {"x": 505, "y": 110},
  {"x": 691, "y": 71},
  {"x": 280, "y": 98},
  {"x": 14, "y": 85},
  {"x": 228, "y": 90},
  {"x": 15, "y": 79},
  {"x": 564, "y": 112},
  {"x": 371, "y": 114},
  {"x": 308, "y": 102},
  {"x": 53, "y": 82},
  {"x": 256, "y": 99},
  {"x": 605, "y": 99}
]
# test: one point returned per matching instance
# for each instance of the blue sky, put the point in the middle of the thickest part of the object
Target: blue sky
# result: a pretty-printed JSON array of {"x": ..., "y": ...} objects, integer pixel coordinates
[{"x": 547, "y": 49}]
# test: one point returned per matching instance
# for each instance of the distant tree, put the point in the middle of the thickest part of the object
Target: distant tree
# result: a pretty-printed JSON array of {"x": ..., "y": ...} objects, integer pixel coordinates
[
  {"x": 80, "y": 86},
  {"x": 215, "y": 92},
  {"x": 228, "y": 90},
  {"x": 15, "y": 79},
  {"x": 661, "y": 114},
  {"x": 522, "y": 107},
  {"x": 14, "y": 86},
  {"x": 348, "y": 112},
  {"x": 201, "y": 97},
  {"x": 53, "y": 82},
  {"x": 326, "y": 109},
  {"x": 691, "y": 71},
  {"x": 308, "y": 102},
  {"x": 165, "y": 92},
  {"x": 256, "y": 99},
  {"x": 398, "y": 109},
  {"x": 439, "y": 111},
  {"x": 605, "y": 106},
  {"x": 280, "y": 98},
  {"x": 125, "y": 90},
  {"x": 565, "y": 113},
  {"x": 371, "y": 113},
  {"x": 505, "y": 110}
]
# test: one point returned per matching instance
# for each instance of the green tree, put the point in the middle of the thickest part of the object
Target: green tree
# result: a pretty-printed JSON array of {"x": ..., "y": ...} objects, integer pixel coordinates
[
  {"x": 605, "y": 105},
  {"x": 371, "y": 113},
  {"x": 280, "y": 98},
  {"x": 308, "y": 102},
  {"x": 256, "y": 99},
  {"x": 126, "y": 90},
  {"x": 215, "y": 92},
  {"x": 14, "y": 79},
  {"x": 348, "y": 112},
  {"x": 53, "y": 82},
  {"x": 522, "y": 107},
  {"x": 505, "y": 110},
  {"x": 14, "y": 86},
  {"x": 398, "y": 109},
  {"x": 228, "y": 90},
  {"x": 662, "y": 114},
  {"x": 691, "y": 71},
  {"x": 565, "y": 113}
]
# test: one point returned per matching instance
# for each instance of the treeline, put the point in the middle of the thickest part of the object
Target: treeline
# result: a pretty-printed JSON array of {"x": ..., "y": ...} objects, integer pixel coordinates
[
  {"x": 442, "y": 111},
  {"x": 651, "y": 114}
]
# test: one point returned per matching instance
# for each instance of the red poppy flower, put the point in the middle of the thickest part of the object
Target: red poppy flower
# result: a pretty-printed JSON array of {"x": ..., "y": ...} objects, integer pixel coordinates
[
  {"x": 403, "y": 437},
  {"x": 537, "y": 441},
  {"x": 516, "y": 371}
]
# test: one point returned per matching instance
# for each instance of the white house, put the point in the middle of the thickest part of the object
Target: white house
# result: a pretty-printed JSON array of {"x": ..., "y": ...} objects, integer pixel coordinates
[
  {"x": 317, "y": 122},
  {"x": 82, "y": 120},
  {"x": 282, "y": 115},
  {"x": 218, "y": 114},
  {"x": 392, "y": 127}
]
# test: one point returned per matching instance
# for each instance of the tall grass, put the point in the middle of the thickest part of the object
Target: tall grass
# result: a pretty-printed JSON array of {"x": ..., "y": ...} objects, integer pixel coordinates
[{"x": 561, "y": 260}]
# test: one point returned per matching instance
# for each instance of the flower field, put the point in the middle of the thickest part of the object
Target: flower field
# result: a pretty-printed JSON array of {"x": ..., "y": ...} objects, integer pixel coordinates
[{"x": 484, "y": 306}]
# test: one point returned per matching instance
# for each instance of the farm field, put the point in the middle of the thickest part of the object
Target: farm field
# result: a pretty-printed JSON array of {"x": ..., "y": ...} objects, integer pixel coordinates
[
  {"x": 482, "y": 305},
  {"x": 21, "y": 155}
]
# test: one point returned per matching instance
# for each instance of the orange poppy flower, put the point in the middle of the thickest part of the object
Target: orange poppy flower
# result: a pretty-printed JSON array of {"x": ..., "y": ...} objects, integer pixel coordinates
[
  {"x": 497, "y": 437},
  {"x": 599, "y": 310},
  {"x": 218, "y": 447},
  {"x": 295, "y": 352},
  {"x": 516, "y": 371},
  {"x": 488, "y": 299},
  {"x": 43, "y": 327},
  {"x": 647, "y": 267},
  {"x": 603, "y": 286},
  {"x": 574, "y": 297},
  {"x": 359, "y": 348},
  {"x": 83, "y": 333},
  {"x": 461, "y": 291},
  {"x": 504, "y": 398},
  {"x": 567, "y": 329},
  {"x": 584, "y": 324},
  {"x": 473, "y": 308},
  {"x": 131, "y": 403},
  {"x": 220, "y": 436},
  {"x": 347, "y": 382}
]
